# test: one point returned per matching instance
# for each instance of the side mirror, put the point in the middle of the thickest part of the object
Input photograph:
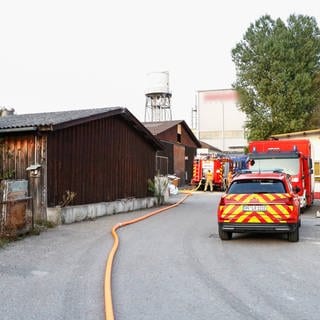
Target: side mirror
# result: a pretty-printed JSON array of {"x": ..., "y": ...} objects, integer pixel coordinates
[{"x": 296, "y": 189}]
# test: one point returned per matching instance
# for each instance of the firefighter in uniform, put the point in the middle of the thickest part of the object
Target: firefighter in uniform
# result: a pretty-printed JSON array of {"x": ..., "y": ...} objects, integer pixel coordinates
[
  {"x": 209, "y": 179},
  {"x": 230, "y": 177}
]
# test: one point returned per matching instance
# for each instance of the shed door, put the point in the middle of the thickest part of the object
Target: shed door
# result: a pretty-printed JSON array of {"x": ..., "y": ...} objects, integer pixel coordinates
[{"x": 179, "y": 162}]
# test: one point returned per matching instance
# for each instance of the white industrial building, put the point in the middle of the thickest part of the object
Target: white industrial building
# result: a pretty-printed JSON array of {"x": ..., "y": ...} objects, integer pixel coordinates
[{"x": 217, "y": 121}]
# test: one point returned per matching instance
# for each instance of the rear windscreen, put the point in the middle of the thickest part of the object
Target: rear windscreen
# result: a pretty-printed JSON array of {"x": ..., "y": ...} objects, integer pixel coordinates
[{"x": 257, "y": 186}]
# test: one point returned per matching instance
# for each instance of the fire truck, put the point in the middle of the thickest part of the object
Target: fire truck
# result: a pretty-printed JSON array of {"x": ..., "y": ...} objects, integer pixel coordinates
[
  {"x": 218, "y": 165},
  {"x": 294, "y": 157}
]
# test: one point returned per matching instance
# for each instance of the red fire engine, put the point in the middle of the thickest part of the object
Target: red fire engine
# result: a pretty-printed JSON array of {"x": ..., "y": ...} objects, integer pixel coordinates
[
  {"x": 293, "y": 157},
  {"x": 219, "y": 166}
]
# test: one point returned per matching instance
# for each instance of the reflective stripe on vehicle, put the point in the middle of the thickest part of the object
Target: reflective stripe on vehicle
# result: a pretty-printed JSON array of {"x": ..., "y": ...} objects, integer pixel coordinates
[
  {"x": 262, "y": 198},
  {"x": 272, "y": 213}
]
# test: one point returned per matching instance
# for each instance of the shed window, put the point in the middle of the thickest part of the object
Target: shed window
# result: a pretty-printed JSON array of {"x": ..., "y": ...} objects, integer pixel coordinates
[{"x": 179, "y": 133}]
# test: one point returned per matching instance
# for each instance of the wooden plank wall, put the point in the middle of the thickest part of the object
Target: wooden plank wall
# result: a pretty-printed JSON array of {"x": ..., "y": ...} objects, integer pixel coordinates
[
  {"x": 17, "y": 153},
  {"x": 102, "y": 160}
]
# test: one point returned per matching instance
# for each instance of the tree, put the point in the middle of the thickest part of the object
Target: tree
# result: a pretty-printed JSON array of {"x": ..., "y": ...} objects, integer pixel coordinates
[
  {"x": 315, "y": 119},
  {"x": 278, "y": 71}
]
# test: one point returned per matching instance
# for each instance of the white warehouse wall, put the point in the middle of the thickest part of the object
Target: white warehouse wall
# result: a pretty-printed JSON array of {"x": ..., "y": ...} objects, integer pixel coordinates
[{"x": 220, "y": 123}]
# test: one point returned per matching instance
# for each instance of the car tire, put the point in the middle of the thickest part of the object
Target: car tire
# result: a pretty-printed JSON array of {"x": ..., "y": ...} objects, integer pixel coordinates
[
  {"x": 224, "y": 235},
  {"x": 294, "y": 235}
]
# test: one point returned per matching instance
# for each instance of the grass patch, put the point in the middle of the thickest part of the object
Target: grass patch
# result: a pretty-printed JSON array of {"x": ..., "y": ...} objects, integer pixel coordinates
[
  {"x": 3, "y": 242},
  {"x": 12, "y": 235},
  {"x": 44, "y": 224}
]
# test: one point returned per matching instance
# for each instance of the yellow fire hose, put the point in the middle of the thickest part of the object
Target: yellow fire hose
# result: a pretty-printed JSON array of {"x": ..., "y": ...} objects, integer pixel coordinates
[
  {"x": 198, "y": 186},
  {"x": 109, "y": 315}
]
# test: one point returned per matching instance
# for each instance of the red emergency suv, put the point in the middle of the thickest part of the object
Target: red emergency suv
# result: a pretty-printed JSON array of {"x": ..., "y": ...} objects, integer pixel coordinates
[{"x": 260, "y": 202}]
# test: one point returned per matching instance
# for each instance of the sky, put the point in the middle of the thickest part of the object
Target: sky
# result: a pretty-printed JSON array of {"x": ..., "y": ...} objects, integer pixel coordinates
[{"x": 78, "y": 54}]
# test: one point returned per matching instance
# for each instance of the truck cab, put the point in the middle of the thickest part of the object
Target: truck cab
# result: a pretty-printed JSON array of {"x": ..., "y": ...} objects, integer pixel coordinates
[{"x": 291, "y": 156}]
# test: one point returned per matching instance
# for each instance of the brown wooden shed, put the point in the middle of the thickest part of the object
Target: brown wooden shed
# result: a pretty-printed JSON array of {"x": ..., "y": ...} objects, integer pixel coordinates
[
  {"x": 101, "y": 155},
  {"x": 180, "y": 146}
]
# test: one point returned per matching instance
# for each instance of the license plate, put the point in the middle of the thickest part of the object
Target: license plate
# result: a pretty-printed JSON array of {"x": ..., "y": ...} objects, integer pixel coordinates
[{"x": 254, "y": 208}]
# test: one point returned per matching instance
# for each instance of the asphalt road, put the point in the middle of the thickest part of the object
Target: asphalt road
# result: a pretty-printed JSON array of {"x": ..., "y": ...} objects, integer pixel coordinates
[{"x": 170, "y": 266}]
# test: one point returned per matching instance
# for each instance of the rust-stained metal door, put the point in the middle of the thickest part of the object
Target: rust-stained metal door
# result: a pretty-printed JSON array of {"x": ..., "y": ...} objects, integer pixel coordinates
[{"x": 14, "y": 219}]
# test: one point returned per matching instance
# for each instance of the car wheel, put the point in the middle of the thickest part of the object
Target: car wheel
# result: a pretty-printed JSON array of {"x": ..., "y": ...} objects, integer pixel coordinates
[
  {"x": 294, "y": 235},
  {"x": 224, "y": 235}
]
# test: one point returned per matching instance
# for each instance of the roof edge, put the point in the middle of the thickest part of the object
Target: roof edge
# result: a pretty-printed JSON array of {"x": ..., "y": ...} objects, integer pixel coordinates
[{"x": 296, "y": 133}]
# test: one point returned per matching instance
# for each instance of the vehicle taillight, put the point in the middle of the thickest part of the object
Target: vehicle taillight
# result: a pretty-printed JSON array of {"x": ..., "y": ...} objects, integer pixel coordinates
[
  {"x": 222, "y": 201},
  {"x": 289, "y": 201}
]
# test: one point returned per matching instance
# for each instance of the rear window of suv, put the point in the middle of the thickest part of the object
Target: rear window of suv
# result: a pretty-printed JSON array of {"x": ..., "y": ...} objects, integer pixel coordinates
[{"x": 257, "y": 186}]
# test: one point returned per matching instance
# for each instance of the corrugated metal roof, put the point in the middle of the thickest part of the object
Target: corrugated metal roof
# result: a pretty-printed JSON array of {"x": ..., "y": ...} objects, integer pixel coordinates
[
  {"x": 209, "y": 146},
  {"x": 50, "y": 121},
  {"x": 32, "y": 120},
  {"x": 160, "y": 126}
]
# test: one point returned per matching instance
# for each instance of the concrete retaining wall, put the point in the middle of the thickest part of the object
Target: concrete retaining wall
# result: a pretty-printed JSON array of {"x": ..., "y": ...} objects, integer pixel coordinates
[{"x": 72, "y": 214}]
